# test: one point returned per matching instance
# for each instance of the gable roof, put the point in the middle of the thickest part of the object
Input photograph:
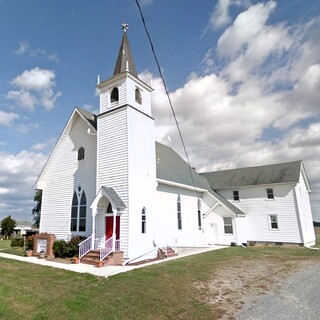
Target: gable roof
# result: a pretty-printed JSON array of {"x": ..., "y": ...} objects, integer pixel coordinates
[
  {"x": 288, "y": 172},
  {"x": 88, "y": 117},
  {"x": 226, "y": 203},
  {"x": 171, "y": 167}
]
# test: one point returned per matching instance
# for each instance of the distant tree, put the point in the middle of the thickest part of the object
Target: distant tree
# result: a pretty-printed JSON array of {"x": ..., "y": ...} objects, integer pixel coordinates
[
  {"x": 7, "y": 227},
  {"x": 36, "y": 211}
]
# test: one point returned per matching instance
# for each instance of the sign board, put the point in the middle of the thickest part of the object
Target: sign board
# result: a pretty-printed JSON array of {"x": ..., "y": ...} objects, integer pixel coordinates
[{"x": 42, "y": 245}]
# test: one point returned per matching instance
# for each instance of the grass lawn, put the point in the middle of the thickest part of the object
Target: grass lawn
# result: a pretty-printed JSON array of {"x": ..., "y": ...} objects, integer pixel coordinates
[
  {"x": 5, "y": 244},
  {"x": 164, "y": 291}
]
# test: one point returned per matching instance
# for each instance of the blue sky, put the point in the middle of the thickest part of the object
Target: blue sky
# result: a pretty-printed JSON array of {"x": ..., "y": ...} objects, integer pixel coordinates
[{"x": 244, "y": 78}]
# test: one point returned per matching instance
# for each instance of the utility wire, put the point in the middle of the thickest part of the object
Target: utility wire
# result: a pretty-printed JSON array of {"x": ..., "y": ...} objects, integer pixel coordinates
[{"x": 166, "y": 90}]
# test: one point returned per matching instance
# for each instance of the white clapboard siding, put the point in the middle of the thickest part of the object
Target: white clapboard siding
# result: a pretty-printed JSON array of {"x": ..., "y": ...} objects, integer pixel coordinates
[
  {"x": 62, "y": 174},
  {"x": 166, "y": 221},
  {"x": 305, "y": 213},
  {"x": 254, "y": 203},
  {"x": 112, "y": 161}
]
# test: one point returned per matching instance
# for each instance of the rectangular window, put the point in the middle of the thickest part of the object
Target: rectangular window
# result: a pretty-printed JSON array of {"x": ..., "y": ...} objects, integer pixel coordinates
[
  {"x": 179, "y": 213},
  {"x": 236, "y": 195},
  {"x": 143, "y": 220},
  {"x": 270, "y": 194},
  {"x": 273, "y": 221},
  {"x": 228, "y": 228},
  {"x": 199, "y": 214}
]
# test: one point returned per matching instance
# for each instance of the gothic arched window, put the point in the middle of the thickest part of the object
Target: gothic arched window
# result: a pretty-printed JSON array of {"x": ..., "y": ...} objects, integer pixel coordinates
[{"x": 78, "y": 211}]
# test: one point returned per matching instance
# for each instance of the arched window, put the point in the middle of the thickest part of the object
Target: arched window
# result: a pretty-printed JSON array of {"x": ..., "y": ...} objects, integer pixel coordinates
[
  {"x": 179, "y": 212},
  {"x": 199, "y": 214},
  {"x": 78, "y": 211},
  {"x": 115, "y": 95},
  {"x": 74, "y": 212},
  {"x": 143, "y": 221},
  {"x": 138, "y": 96},
  {"x": 81, "y": 153}
]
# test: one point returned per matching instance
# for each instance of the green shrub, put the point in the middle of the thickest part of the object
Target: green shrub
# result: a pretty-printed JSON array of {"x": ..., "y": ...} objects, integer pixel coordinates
[
  {"x": 17, "y": 242},
  {"x": 29, "y": 242},
  {"x": 60, "y": 249},
  {"x": 64, "y": 249}
]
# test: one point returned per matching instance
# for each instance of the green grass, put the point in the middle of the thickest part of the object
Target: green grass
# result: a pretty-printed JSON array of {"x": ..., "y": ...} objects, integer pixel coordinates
[
  {"x": 5, "y": 244},
  {"x": 163, "y": 291}
]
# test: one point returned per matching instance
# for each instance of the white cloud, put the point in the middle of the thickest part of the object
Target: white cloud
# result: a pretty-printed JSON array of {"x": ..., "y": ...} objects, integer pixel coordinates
[
  {"x": 35, "y": 88},
  {"x": 6, "y": 118},
  {"x": 245, "y": 27},
  {"x": 25, "y": 49},
  {"x": 18, "y": 174},
  {"x": 261, "y": 107},
  {"x": 90, "y": 108},
  {"x": 220, "y": 16}
]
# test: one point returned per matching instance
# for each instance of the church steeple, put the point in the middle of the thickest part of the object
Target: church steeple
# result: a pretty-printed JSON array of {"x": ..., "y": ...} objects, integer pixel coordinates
[
  {"x": 125, "y": 60},
  {"x": 124, "y": 88}
]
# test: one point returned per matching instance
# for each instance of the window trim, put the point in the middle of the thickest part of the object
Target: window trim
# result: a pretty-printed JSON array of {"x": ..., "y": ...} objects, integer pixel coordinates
[
  {"x": 81, "y": 153},
  {"x": 199, "y": 210},
  {"x": 114, "y": 95},
  {"x": 270, "y": 193},
  {"x": 143, "y": 220},
  {"x": 179, "y": 212},
  {"x": 138, "y": 96},
  {"x": 236, "y": 194},
  {"x": 271, "y": 222},
  {"x": 227, "y": 225},
  {"x": 78, "y": 204}
]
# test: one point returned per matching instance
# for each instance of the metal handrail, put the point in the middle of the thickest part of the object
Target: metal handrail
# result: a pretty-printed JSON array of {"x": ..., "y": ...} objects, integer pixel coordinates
[
  {"x": 85, "y": 246},
  {"x": 104, "y": 252}
]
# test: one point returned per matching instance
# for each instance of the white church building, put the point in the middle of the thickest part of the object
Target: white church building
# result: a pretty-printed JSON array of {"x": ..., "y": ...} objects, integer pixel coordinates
[{"x": 108, "y": 180}]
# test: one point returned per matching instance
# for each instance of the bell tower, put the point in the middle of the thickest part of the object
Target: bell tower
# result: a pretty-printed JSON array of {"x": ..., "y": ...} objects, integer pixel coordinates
[{"x": 126, "y": 148}]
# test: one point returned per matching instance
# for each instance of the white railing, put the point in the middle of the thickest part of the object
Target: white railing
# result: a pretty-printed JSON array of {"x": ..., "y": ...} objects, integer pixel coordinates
[
  {"x": 85, "y": 246},
  {"x": 107, "y": 248},
  {"x": 117, "y": 245}
]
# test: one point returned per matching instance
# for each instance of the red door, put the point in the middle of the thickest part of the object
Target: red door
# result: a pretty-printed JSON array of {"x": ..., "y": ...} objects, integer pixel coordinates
[{"x": 109, "y": 227}]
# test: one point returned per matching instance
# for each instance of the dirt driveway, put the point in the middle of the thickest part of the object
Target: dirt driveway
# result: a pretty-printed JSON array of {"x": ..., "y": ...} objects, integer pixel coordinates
[{"x": 267, "y": 289}]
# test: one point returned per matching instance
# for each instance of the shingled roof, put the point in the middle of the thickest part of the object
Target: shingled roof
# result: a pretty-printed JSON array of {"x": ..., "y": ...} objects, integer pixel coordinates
[
  {"x": 171, "y": 167},
  {"x": 269, "y": 174}
]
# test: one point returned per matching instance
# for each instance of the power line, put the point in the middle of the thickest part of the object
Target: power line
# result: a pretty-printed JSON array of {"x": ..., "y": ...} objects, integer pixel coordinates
[{"x": 166, "y": 89}]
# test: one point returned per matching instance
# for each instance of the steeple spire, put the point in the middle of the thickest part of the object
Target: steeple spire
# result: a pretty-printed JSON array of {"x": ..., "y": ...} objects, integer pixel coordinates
[{"x": 125, "y": 60}]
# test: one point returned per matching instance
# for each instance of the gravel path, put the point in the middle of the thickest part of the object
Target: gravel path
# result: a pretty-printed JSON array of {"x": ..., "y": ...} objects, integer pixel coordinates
[{"x": 297, "y": 298}]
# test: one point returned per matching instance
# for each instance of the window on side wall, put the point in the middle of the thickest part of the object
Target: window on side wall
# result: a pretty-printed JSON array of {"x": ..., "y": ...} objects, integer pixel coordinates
[
  {"x": 81, "y": 153},
  {"x": 179, "y": 212},
  {"x": 270, "y": 194},
  {"x": 273, "y": 219},
  {"x": 199, "y": 214},
  {"x": 228, "y": 228},
  {"x": 78, "y": 211},
  {"x": 143, "y": 221},
  {"x": 236, "y": 196}
]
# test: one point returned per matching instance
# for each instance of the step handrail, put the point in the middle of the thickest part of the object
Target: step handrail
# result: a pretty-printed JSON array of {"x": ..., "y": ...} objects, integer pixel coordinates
[
  {"x": 85, "y": 246},
  {"x": 104, "y": 252}
]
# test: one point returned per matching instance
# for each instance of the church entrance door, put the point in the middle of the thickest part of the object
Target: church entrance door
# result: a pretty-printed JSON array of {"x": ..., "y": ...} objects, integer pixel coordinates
[{"x": 109, "y": 227}]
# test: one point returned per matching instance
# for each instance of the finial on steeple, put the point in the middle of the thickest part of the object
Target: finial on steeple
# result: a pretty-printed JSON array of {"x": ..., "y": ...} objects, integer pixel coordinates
[
  {"x": 124, "y": 60},
  {"x": 125, "y": 27}
]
